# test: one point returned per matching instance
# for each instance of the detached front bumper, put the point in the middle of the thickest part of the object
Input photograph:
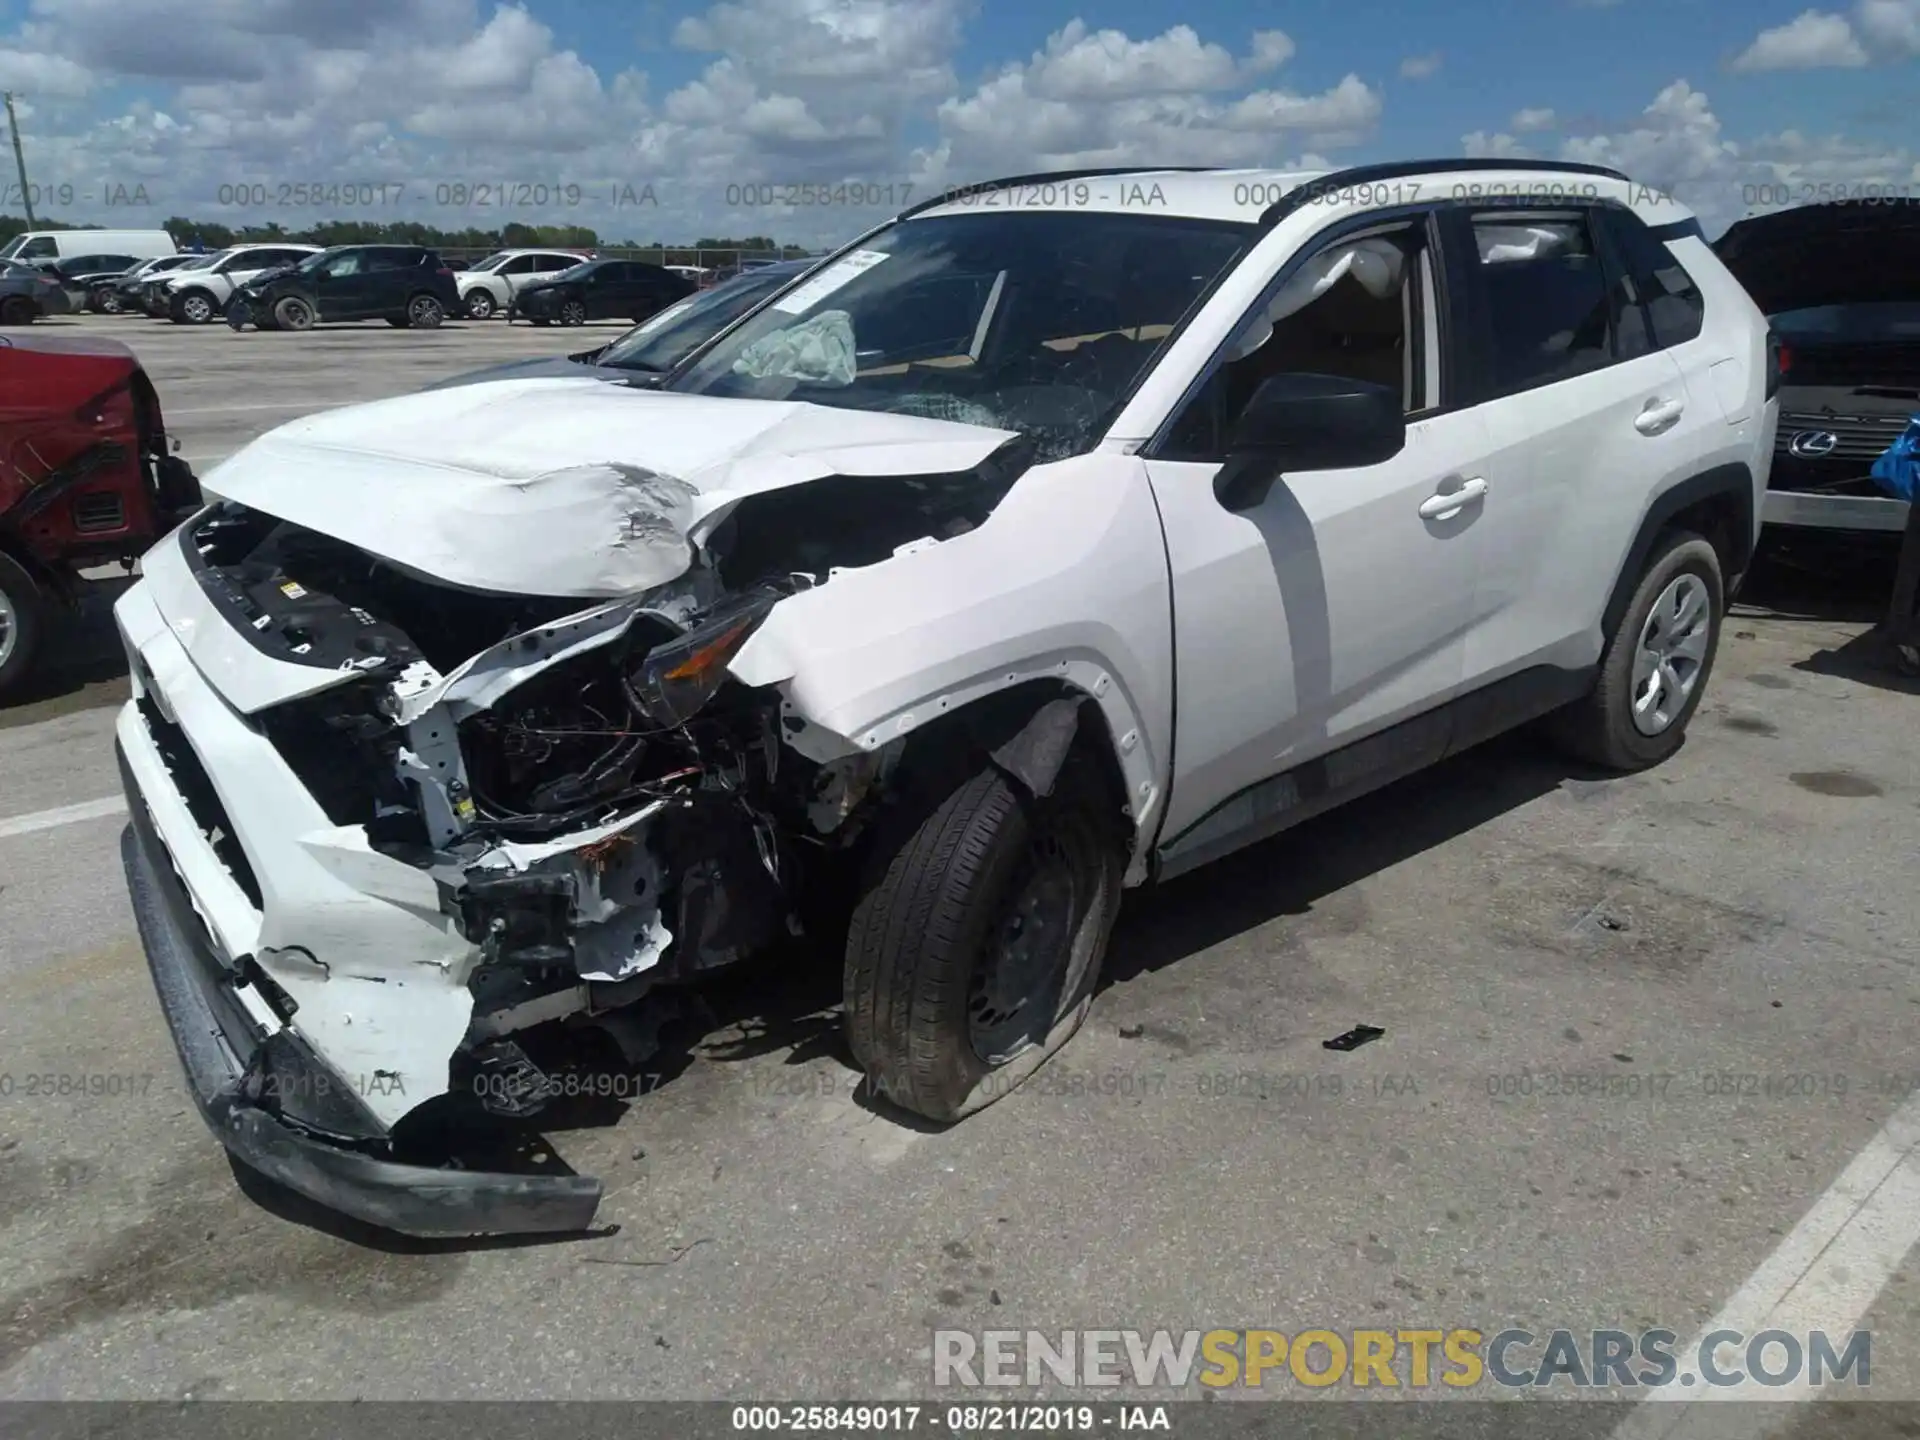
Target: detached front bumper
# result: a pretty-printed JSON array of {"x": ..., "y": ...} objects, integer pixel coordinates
[
  {"x": 218, "y": 1043},
  {"x": 314, "y": 988}
]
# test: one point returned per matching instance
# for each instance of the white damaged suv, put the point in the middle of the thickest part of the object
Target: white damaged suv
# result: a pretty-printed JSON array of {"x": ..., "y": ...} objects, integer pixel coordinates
[{"x": 1060, "y": 535}]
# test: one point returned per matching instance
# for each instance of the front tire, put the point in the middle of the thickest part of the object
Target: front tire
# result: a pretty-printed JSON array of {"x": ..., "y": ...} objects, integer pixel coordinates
[
  {"x": 976, "y": 942},
  {"x": 196, "y": 307},
  {"x": 573, "y": 312},
  {"x": 293, "y": 313},
  {"x": 110, "y": 302},
  {"x": 1654, "y": 669},
  {"x": 22, "y": 611},
  {"x": 479, "y": 305}
]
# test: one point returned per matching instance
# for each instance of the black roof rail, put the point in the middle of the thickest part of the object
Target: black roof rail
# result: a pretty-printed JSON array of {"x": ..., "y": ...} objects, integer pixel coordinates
[
  {"x": 1053, "y": 177},
  {"x": 1335, "y": 180}
]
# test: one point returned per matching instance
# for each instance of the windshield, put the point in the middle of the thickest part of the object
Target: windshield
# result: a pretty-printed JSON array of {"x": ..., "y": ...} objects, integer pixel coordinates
[
  {"x": 664, "y": 340},
  {"x": 315, "y": 261},
  {"x": 492, "y": 262},
  {"x": 574, "y": 272},
  {"x": 1877, "y": 322},
  {"x": 1032, "y": 321},
  {"x": 206, "y": 262}
]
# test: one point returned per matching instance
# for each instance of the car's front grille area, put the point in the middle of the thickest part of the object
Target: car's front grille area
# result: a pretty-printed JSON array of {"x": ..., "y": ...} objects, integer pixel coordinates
[
  {"x": 1856, "y": 437},
  {"x": 203, "y": 801},
  {"x": 98, "y": 511}
]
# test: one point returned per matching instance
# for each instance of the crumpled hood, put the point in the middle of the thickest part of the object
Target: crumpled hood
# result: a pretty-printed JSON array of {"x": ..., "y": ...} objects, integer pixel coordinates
[{"x": 569, "y": 487}]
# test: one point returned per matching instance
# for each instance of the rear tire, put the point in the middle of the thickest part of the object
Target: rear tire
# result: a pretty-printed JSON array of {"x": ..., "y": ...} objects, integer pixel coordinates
[
  {"x": 424, "y": 312},
  {"x": 1601, "y": 727},
  {"x": 22, "y": 616},
  {"x": 989, "y": 922},
  {"x": 18, "y": 310}
]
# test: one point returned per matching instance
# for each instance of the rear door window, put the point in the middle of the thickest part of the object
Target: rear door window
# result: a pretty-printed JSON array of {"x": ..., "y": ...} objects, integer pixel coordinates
[{"x": 1549, "y": 316}]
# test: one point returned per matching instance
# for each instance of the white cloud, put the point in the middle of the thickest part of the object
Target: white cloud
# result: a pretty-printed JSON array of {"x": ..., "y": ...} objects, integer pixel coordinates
[
  {"x": 32, "y": 73},
  {"x": 1479, "y": 145},
  {"x": 1677, "y": 145},
  {"x": 1876, "y": 30},
  {"x": 1810, "y": 41},
  {"x": 1419, "y": 67},
  {"x": 422, "y": 93},
  {"x": 1891, "y": 23}
]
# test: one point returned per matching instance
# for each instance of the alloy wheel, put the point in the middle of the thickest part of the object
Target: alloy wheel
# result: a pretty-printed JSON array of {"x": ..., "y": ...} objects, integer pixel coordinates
[{"x": 1672, "y": 647}]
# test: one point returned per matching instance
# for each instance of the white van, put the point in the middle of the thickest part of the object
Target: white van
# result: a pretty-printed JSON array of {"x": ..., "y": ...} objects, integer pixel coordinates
[{"x": 44, "y": 245}]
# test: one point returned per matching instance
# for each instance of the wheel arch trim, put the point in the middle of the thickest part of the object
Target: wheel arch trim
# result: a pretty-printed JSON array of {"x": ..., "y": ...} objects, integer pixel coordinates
[
  {"x": 1732, "y": 483},
  {"x": 1043, "y": 706}
]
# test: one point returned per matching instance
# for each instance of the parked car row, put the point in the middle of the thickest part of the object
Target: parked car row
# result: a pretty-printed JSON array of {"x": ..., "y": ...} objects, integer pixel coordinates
[{"x": 290, "y": 285}]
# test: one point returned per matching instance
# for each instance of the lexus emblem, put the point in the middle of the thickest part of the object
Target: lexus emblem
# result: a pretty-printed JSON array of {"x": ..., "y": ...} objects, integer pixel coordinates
[{"x": 1812, "y": 444}]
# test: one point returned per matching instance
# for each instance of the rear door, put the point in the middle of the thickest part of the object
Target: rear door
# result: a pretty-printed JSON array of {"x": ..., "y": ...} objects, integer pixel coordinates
[
  {"x": 390, "y": 277},
  {"x": 1585, "y": 420}
]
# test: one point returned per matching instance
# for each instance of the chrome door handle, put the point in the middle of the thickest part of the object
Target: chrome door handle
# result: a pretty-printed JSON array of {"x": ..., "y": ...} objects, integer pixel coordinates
[
  {"x": 1448, "y": 502},
  {"x": 1657, "y": 415}
]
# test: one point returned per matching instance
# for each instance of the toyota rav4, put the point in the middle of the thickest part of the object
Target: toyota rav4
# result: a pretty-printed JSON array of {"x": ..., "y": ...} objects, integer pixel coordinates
[{"x": 1056, "y": 536}]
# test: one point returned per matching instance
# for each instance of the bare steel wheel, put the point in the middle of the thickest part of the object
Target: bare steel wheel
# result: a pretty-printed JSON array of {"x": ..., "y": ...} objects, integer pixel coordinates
[
  {"x": 1016, "y": 981},
  {"x": 293, "y": 313}
]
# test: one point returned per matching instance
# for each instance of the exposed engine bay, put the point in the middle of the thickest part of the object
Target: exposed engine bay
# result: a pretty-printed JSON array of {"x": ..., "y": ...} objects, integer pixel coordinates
[{"x": 601, "y": 806}]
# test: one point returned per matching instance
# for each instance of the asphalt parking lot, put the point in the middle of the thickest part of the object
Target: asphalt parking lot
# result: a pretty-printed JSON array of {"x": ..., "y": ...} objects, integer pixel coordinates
[{"x": 1648, "y": 1060}]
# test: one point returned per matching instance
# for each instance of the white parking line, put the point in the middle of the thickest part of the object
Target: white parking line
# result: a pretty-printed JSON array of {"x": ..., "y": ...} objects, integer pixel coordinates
[
  {"x": 174, "y": 413},
  {"x": 1825, "y": 1276},
  {"x": 62, "y": 815}
]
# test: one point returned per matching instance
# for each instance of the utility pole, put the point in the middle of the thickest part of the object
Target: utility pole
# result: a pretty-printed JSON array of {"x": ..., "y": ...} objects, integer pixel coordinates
[{"x": 19, "y": 160}]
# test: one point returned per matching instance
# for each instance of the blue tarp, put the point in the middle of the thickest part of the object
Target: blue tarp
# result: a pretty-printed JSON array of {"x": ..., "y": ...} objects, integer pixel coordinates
[{"x": 1898, "y": 471}]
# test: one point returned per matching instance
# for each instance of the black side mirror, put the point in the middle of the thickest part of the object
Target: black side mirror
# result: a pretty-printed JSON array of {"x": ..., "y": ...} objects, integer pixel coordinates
[{"x": 1308, "y": 422}]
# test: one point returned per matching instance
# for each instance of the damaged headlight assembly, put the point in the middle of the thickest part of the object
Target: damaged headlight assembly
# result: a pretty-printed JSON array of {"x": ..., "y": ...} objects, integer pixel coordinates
[
  {"x": 677, "y": 679},
  {"x": 622, "y": 836}
]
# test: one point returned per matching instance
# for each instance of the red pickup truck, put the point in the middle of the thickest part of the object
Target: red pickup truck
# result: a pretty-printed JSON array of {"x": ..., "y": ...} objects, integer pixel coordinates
[{"x": 86, "y": 478}]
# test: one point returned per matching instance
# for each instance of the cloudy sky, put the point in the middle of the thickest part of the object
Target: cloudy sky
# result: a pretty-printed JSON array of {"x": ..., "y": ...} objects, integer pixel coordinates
[{"x": 657, "y": 119}]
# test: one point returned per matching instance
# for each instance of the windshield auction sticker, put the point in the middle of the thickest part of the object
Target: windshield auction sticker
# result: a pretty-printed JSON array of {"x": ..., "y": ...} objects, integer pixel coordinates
[{"x": 829, "y": 280}]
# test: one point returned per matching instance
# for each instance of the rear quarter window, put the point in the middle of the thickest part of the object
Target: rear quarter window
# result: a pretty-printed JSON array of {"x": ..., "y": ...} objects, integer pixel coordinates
[{"x": 1674, "y": 308}]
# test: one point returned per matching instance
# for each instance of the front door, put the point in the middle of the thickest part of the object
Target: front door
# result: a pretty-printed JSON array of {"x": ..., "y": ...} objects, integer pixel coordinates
[
  {"x": 610, "y": 292},
  {"x": 341, "y": 288},
  {"x": 1338, "y": 607}
]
